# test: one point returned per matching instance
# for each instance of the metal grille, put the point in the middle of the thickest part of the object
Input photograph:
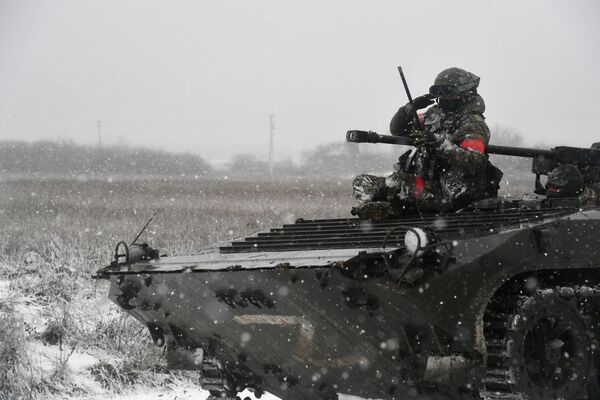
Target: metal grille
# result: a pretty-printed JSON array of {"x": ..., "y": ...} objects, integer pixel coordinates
[{"x": 360, "y": 233}]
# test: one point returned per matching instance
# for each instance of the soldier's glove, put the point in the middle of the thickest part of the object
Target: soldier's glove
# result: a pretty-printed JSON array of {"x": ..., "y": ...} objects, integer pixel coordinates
[
  {"x": 422, "y": 139},
  {"x": 418, "y": 138},
  {"x": 423, "y": 101}
]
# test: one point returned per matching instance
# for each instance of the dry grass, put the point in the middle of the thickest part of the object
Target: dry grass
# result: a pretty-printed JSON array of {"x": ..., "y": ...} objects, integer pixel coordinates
[
  {"x": 14, "y": 380},
  {"x": 68, "y": 221}
]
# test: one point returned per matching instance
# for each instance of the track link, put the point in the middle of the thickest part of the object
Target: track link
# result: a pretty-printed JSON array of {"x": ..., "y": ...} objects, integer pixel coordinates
[{"x": 213, "y": 379}]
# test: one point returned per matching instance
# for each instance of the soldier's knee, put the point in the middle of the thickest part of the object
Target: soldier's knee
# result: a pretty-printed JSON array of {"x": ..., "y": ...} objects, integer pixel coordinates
[
  {"x": 368, "y": 188},
  {"x": 364, "y": 179}
]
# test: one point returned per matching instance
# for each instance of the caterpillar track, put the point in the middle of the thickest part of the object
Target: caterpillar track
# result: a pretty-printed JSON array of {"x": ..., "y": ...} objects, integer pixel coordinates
[{"x": 213, "y": 380}]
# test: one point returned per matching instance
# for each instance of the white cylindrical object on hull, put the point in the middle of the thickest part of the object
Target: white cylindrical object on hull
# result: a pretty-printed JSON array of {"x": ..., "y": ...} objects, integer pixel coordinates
[{"x": 414, "y": 239}]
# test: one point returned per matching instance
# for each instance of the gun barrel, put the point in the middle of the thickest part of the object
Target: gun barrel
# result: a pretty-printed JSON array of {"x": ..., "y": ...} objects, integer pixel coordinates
[
  {"x": 373, "y": 137},
  {"x": 518, "y": 151}
]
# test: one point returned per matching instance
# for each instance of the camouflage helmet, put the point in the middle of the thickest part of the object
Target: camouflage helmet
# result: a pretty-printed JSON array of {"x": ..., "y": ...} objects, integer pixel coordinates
[
  {"x": 454, "y": 82},
  {"x": 596, "y": 146},
  {"x": 564, "y": 181}
]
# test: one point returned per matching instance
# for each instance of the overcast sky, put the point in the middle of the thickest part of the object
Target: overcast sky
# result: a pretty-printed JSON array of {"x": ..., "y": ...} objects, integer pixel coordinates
[{"x": 204, "y": 76}]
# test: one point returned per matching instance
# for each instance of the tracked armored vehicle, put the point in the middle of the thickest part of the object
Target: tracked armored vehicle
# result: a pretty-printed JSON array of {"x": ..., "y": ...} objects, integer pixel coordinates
[{"x": 498, "y": 301}]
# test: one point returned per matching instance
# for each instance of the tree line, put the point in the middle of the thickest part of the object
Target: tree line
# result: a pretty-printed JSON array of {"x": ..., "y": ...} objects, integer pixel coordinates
[
  {"x": 336, "y": 160},
  {"x": 68, "y": 158}
]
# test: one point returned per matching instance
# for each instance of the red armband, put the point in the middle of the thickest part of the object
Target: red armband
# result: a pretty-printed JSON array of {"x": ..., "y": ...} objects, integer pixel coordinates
[
  {"x": 477, "y": 145},
  {"x": 419, "y": 186},
  {"x": 421, "y": 116}
]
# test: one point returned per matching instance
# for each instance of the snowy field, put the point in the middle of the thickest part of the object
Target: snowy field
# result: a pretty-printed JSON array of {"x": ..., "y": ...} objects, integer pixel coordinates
[{"x": 60, "y": 338}]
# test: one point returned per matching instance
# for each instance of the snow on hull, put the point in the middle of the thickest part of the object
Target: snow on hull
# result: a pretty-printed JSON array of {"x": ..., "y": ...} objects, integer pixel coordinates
[{"x": 213, "y": 260}]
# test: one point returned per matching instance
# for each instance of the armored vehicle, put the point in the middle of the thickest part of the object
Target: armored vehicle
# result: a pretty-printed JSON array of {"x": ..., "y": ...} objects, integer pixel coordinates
[{"x": 495, "y": 301}]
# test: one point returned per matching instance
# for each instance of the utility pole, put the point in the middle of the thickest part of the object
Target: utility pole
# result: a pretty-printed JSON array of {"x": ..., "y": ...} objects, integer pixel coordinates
[
  {"x": 99, "y": 124},
  {"x": 272, "y": 128}
]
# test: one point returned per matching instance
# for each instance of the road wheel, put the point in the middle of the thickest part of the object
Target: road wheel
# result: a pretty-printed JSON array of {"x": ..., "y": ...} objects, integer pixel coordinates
[{"x": 548, "y": 348}]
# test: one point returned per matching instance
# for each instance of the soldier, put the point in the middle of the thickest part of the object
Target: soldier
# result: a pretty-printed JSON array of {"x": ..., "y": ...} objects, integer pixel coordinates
[
  {"x": 450, "y": 168},
  {"x": 566, "y": 180}
]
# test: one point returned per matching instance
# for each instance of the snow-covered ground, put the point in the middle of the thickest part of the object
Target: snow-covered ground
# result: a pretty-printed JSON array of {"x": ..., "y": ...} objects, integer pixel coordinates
[
  {"x": 182, "y": 392},
  {"x": 4, "y": 289}
]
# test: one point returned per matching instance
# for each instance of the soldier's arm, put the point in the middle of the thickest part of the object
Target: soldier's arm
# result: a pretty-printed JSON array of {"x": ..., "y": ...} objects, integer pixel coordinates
[
  {"x": 402, "y": 121},
  {"x": 469, "y": 149}
]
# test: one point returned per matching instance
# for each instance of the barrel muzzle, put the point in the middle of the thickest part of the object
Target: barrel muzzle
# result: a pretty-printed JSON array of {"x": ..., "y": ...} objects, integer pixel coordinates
[{"x": 362, "y": 136}]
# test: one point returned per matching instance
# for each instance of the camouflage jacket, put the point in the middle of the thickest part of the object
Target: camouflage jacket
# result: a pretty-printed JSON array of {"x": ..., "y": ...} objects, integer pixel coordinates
[{"x": 459, "y": 161}]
